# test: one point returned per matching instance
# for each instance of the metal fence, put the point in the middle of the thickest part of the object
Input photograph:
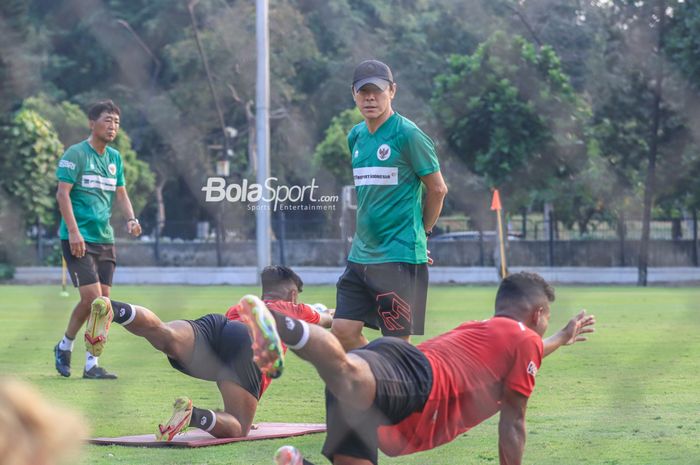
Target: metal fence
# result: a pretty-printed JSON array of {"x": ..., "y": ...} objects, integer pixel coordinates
[{"x": 325, "y": 240}]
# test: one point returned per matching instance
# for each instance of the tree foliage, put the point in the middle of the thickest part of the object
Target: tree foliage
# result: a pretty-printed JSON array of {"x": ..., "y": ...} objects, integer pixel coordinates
[
  {"x": 333, "y": 154},
  {"x": 31, "y": 149},
  {"x": 511, "y": 115},
  {"x": 505, "y": 110}
]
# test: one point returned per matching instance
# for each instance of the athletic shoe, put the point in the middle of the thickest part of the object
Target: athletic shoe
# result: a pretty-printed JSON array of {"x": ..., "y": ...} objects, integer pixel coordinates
[
  {"x": 288, "y": 455},
  {"x": 97, "y": 372},
  {"x": 267, "y": 346},
  {"x": 179, "y": 421},
  {"x": 98, "y": 325},
  {"x": 62, "y": 361}
]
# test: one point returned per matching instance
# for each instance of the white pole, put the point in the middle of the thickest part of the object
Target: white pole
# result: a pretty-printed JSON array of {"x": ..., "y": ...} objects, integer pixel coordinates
[{"x": 262, "y": 124}]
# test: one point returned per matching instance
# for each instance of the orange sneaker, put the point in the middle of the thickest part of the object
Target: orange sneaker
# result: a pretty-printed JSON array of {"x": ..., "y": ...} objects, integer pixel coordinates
[
  {"x": 179, "y": 421},
  {"x": 267, "y": 346},
  {"x": 101, "y": 315}
]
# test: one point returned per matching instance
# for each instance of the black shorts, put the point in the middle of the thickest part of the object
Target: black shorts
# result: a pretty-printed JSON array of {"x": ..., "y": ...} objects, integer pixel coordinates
[
  {"x": 390, "y": 296},
  {"x": 96, "y": 266},
  {"x": 222, "y": 352},
  {"x": 404, "y": 380}
]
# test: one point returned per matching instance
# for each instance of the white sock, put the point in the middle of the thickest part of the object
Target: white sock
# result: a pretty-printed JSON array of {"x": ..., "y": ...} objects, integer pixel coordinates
[
  {"x": 213, "y": 423},
  {"x": 66, "y": 344},
  {"x": 90, "y": 361}
]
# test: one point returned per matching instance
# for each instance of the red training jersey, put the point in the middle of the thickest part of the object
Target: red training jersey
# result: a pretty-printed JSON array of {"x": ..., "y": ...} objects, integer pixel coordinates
[
  {"x": 297, "y": 311},
  {"x": 471, "y": 366}
]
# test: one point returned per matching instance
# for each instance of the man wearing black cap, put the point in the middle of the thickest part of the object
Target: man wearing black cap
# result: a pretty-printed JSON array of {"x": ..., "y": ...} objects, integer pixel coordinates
[{"x": 386, "y": 280}]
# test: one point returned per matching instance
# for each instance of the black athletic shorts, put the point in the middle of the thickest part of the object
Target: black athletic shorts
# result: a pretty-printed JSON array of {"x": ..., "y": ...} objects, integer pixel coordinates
[
  {"x": 222, "y": 352},
  {"x": 404, "y": 379},
  {"x": 390, "y": 296},
  {"x": 96, "y": 266}
]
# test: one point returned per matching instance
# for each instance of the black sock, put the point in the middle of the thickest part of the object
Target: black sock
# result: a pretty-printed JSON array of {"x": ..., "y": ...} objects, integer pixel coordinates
[
  {"x": 202, "y": 419},
  {"x": 293, "y": 332},
  {"x": 123, "y": 313}
]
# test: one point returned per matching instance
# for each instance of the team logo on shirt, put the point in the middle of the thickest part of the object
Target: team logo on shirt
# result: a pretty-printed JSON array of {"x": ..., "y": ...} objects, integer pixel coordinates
[
  {"x": 112, "y": 168},
  {"x": 383, "y": 152},
  {"x": 66, "y": 164},
  {"x": 357, "y": 152},
  {"x": 532, "y": 369}
]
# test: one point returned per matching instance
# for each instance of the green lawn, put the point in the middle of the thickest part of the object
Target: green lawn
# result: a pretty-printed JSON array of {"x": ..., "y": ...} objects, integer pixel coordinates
[{"x": 628, "y": 396}]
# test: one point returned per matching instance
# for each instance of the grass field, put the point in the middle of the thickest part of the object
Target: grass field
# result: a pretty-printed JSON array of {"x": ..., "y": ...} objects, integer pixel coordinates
[{"x": 630, "y": 395}]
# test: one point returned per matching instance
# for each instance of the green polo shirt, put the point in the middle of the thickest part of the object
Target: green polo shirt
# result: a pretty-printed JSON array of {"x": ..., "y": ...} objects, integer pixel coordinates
[
  {"x": 387, "y": 167},
  {"x": 95, "y": 178}
]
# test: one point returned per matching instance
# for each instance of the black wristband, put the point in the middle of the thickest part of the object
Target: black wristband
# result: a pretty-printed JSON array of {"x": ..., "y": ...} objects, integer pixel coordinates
[{"x": 136, "y": 220}]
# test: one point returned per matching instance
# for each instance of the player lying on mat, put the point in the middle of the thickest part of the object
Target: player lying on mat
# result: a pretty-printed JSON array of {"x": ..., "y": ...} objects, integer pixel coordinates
[
  {"x": 403, "y": 399},
  {"x": 213, "y": 348}
]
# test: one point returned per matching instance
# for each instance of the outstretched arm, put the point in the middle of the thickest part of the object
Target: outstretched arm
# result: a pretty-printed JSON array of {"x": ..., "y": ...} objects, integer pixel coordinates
[
  {"x": 571, "y": 333},
  {"x": 511, "y": 428}
]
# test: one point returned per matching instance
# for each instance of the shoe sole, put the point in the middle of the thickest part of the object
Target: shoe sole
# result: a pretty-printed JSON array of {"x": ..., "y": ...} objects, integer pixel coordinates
[
  {"x": 166, "y": 433},
  {"x": 98, "y": 325},
  {"x": 99, "y": 377},
  {"x": 266, "y": 340}
]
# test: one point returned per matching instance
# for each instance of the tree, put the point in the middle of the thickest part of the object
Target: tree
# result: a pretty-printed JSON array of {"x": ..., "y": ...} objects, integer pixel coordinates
[
  {"x": 511, "y": 115},
  {"x": 682, "y": 47},
  {"x": 333, "y": 154},
  {"x": 570, "y": 28},
  {"x": 69, "y": 121},
  {"x": 653, "y": 122},
  {"x": 30, "y": 149},
  {"x": 20, "y": 54}
]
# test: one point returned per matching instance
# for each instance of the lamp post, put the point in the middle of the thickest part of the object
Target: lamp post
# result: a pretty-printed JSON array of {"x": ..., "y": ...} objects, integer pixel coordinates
[
  {"x": 223, "y": 170},
  {"x": 262, "y": 124}
]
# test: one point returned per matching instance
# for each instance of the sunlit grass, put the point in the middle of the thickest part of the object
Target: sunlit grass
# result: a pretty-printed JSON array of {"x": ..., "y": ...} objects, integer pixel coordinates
[{"x": 628, "y": 396}]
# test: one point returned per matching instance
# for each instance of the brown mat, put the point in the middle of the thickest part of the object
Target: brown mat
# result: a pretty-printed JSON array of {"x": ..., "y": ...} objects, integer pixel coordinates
[{"x": 199, "y": 438}]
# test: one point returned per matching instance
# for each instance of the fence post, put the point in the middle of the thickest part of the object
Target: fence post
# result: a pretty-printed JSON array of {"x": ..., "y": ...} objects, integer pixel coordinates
[
  {"x": 283, "y": 237},
  {"x": 551, "y": 238},
  {"x": 156, "y": 245},
  {"x": 695, "y": 236},
  {"x": 481, "y": 248},
  {"x": 621, "y": 233},
  {"x": 39, "y": 243},
  {"x": 219, "y": 261}
]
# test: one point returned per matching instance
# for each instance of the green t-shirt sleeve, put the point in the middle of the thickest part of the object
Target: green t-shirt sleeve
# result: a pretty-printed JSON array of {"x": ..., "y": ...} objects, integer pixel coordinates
[
  {"x": 120, "y": 172},
  {"x": 421, "y": 153},
  {"x": 69, "y": 167}
]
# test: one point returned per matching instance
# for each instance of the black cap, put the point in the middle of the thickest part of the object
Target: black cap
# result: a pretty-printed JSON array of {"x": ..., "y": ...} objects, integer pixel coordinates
[{"x": 372, "y": 72}]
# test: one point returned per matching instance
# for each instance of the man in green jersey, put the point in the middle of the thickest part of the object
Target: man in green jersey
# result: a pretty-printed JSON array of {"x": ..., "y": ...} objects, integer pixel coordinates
[
  {"x": 393, "y": 162},
  {"x": 90, "y": 178}
]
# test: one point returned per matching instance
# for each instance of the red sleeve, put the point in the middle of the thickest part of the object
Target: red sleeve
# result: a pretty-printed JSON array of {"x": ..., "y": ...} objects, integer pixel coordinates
[
  {"x": 527, "y": 360},
  {"x": 308, "y": 314},
  {"x": 233, "y": 313},
  {"x": 298, "y": 311}
]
